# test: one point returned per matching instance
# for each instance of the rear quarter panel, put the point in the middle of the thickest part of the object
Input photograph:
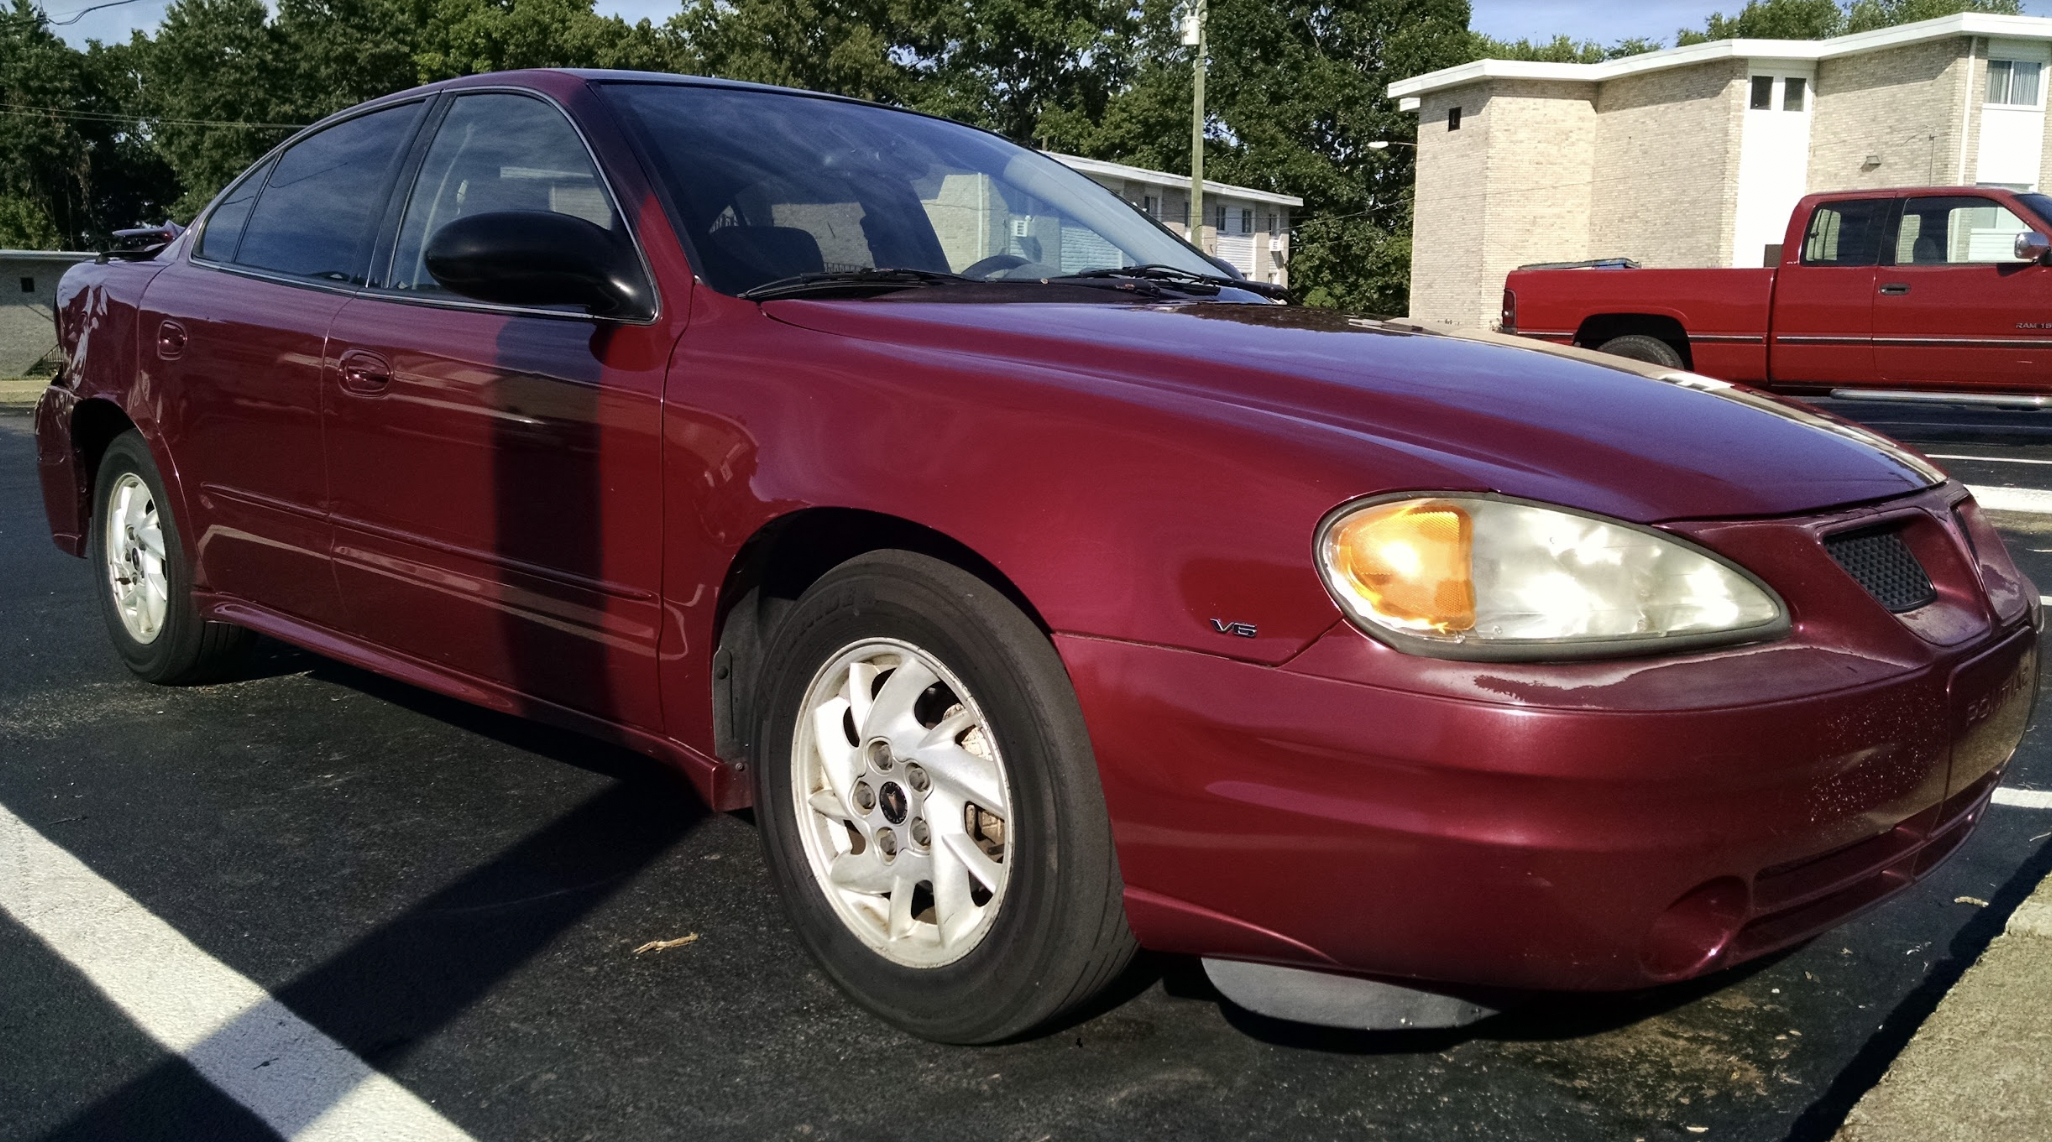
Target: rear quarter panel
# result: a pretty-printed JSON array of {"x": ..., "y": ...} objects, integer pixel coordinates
[{"x": 1724, "y": 312}]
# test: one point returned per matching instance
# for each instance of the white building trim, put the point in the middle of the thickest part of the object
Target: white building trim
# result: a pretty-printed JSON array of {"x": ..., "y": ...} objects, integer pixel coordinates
[
  {"x": 2036, "y": 28},
  {"x": 1163, "y": 178}
]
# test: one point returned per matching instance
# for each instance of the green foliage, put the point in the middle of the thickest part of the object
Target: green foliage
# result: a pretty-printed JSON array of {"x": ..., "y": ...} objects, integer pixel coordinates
[
  {"x": 1866, "y": 15},
  {"x": 1821, "y": 19},
  {"x": 1561, "y": 49}
]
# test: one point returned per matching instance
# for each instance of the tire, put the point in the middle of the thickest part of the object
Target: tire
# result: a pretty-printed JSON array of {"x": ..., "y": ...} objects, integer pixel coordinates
[
  {"x": 1642, "y": 347},
  {"x": 945, "y": 945},
  {"x": 144, "y": 579}
]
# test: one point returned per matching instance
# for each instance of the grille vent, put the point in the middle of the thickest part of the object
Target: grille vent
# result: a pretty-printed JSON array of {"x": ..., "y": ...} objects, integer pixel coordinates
[{"x": 1884, "y": 566}]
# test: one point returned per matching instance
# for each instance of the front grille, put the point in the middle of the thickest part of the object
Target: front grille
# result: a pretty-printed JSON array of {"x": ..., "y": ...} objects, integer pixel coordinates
[{"x": 1884, "y": 566}]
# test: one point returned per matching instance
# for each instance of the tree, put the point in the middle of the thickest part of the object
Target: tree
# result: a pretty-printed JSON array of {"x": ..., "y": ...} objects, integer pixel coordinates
[
  {"x": 1821, "y": 19},
  {"x": 72, "y": 166}
]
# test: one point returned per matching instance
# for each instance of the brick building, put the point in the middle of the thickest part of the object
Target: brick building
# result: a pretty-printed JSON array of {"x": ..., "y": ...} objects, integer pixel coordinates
[
  {"x": 1249, "y": 228},
  {"x": 28, "y": 305},
  {"x": 1694, "y": 156}
]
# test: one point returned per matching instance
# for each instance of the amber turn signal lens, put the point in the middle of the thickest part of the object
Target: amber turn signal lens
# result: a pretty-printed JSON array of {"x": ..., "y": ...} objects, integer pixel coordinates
[{"x": 1410, "y": 563}]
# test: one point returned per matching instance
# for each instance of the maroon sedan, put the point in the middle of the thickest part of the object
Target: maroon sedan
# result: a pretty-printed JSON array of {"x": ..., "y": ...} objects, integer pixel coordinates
[{"x": 1048, "y": 592}]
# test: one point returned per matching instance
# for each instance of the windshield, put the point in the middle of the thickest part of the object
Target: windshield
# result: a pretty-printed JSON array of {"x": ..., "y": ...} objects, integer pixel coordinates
[{"x": 773, "y": 185}]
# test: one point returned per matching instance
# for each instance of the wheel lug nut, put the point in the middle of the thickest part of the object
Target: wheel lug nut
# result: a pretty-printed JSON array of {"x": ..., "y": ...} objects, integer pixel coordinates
[
  {"x": 865, "y": 797},
  {"x": 880, "y": 756},
  {"x": 887, "y": 843},
  {"x": 917, "y": 779},
  {"x": 920, "y": 835}
]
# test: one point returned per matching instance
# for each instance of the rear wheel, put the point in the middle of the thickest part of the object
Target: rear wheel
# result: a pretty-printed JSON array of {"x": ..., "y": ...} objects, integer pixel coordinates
[
  {"x": 1643, "y": 347},
  {"x": 930, "y": 803},
  {"x": 145, "y": 583}
]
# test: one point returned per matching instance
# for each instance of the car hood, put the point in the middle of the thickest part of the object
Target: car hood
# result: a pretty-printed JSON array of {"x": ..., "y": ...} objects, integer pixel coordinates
[{"x": 1410, "y": 408}]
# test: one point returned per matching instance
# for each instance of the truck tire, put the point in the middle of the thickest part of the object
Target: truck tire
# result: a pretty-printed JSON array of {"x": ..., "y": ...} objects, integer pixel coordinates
[{"x": 1642, "y": 347}]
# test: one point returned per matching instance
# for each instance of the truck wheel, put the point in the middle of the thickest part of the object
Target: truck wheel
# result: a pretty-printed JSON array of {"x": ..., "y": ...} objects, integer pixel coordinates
[
  {"x": 134, "y": 548},
  {"x": 1641, "y": 347},
  {"x": 930, "y": 804}
]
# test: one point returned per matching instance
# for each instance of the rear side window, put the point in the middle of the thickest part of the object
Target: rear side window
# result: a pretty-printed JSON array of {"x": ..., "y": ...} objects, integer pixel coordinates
[
  {"x": 1846, "y": 233},
  {"x": 496, "y": 153},
  {"x": 224, "y": 225},
  {"x": 1957, "y": 230},
  {"x": 313, "y": 219}
]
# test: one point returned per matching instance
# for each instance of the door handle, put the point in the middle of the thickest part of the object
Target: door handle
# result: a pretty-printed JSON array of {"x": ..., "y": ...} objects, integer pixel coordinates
[
  {"x": 170, "y": 340},
  {"x": 1895, "y": 289},
  {"x": 365, "y": 372}
]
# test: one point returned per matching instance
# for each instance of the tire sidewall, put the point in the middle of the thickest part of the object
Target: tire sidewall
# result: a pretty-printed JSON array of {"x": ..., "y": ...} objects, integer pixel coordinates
[
  {"x": 1037, "y": 741},
  {"x": 175, "y": 645}
]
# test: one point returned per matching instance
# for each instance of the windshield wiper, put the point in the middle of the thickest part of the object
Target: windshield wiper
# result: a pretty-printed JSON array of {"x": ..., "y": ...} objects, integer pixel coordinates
[
  {"x": 848, "y": 283},
  {"x": 1155, "y": 271}
]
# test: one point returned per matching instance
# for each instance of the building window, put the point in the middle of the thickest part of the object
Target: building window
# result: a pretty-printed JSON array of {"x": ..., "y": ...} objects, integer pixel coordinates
[
  {"x": 28, "y": 285},
  {"x": 1763, "y": 93},
  {"x": 1271, "y": 222},
  {"x": 2013, "y": 83},
  {"x": 1794, "y": 90},
  {"x": 1453, "y": 119},
  {"x": 1150, "y": 205},
  {"x": 1246, "y": 221},
  {"x": 1218, "y": 219}
]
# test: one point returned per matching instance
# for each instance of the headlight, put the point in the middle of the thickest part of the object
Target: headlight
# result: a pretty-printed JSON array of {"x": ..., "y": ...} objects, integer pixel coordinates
[{"x": 1482, "y": 577}]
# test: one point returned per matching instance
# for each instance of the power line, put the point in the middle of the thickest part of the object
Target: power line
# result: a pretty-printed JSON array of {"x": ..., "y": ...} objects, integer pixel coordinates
[
  {"x": 27, "y": 110},
  {"x": 80, "y": 14}
]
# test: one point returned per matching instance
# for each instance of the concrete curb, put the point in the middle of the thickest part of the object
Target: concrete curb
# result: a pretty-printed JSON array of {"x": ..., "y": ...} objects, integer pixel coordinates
[
  {"x": 1980, "y": 1068},
  {"x": 18, "y": 395}
]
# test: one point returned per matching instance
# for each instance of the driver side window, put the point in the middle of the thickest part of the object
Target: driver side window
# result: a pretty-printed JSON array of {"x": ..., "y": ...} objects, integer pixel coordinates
[{"x": 495, "y": 152}]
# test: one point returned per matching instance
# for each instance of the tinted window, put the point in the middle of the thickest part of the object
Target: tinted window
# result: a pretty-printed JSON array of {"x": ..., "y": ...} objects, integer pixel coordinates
[
  {"x": 1846, "y": 233},
  {"x": 495, "y": 153},
  {"x": 768, "y": 186},
  {"x": 314, "y": 218},
  {"x": 1958, "y": 230},
  {"x": 224, "y": 225}
]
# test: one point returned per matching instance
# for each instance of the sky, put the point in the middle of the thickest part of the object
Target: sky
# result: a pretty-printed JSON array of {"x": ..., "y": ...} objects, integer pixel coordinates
[{"x": 1603, "y": 20}]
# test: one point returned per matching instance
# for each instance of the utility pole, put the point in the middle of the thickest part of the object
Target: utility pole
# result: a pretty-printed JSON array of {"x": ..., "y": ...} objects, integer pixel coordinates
[{"x": 1193, "y": 35}]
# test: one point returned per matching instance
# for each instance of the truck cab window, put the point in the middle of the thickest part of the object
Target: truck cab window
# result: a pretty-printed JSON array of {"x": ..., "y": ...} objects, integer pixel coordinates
[
  {"x": 1955, "y": 231},
  {"x": 1846, "y": 233}
]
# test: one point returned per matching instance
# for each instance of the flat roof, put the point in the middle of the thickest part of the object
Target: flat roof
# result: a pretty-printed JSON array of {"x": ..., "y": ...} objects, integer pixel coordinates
[
  {"x": 1945, "y": 27},
  {"x": 1163, "y": 178}
]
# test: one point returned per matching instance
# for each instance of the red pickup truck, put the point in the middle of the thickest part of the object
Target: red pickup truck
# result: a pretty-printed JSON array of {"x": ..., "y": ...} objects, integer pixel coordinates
[{"x": 1934, "y": 293}]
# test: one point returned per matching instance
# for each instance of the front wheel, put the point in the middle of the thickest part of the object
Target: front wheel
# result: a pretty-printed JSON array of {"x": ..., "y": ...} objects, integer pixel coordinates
[
  {"x": 145, "y": 583},
  {"x": 930, "y": 803}
]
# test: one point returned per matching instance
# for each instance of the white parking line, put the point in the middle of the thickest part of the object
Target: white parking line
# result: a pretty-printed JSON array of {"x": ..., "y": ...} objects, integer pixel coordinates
[
  {"x": 1989, "y": 459},
  {"x": 2033, "y": 500},
  {"x": 298, "y": 1081},
  {"x": 2024, "y": 798}
]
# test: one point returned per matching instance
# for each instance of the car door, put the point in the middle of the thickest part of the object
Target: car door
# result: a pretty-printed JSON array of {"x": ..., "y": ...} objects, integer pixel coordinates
[
  {"x": 233, "y": 341},
  {"x": 1957, "y": 310},
  {"x": 1824, "y": 296},
  {"x": 496, "y": 469}
]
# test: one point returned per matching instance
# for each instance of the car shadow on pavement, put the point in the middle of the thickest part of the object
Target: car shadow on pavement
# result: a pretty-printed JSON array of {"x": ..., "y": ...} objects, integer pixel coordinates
[{"x": 400, "y": 983}]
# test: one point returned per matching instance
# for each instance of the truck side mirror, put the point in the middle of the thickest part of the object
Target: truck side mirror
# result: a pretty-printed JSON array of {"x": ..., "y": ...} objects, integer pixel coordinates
[{"x": 2032, "y": 246}]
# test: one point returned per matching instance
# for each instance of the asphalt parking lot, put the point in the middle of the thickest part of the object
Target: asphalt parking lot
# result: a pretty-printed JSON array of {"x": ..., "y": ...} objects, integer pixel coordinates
[{"x": 457, "y": 899}]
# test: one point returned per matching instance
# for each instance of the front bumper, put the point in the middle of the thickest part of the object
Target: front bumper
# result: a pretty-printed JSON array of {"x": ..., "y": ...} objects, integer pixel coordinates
[{"x": 1588, "y": 826}]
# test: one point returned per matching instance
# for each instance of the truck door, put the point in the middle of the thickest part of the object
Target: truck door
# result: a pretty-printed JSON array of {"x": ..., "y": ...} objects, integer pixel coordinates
[
  {"x": 1823, "y": 319},
  {"x": 1956, "y": 310}
]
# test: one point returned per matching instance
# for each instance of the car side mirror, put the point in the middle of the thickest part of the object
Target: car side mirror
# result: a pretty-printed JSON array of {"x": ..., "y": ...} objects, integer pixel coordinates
[
  {"x": 2032, "y": 246},
  {"x": 539, "y": 257}
]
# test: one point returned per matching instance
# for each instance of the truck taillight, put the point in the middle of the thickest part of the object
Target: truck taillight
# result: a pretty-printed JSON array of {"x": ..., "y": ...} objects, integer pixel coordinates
[{"x": 1510, "y": 312}]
